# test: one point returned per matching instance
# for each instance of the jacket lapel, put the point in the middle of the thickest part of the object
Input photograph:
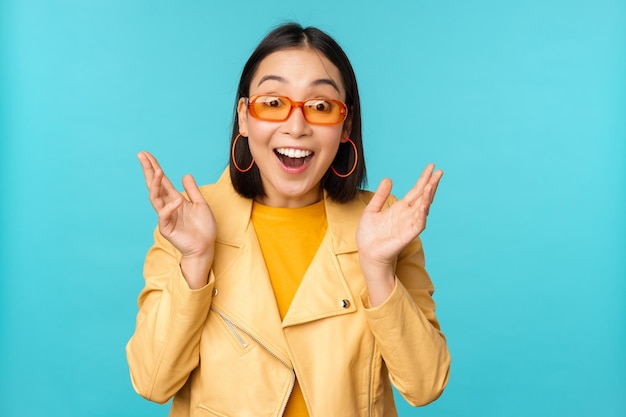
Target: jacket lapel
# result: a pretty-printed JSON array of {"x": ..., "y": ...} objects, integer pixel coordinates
[
  {"x": 243, "y": 292},
  {"x": 324, "y": 290}
]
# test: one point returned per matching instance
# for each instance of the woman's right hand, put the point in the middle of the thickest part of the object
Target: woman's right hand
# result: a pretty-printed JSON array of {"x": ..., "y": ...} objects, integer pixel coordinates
[{"x": 188, "y": 224}]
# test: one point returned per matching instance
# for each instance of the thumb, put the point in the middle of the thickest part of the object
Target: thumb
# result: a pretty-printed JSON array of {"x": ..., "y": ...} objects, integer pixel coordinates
[
  {"x": 380, "y": 196},
  {"x": 192, "y": 190}
]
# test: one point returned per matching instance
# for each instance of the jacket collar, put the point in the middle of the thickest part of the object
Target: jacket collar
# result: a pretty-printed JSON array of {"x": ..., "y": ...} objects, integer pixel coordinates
[{"x": 343, "y": 218}]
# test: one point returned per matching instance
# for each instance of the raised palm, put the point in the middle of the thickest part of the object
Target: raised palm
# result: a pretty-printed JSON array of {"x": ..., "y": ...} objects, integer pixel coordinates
[
  {"x": 383, "y": 234},
  {"x": 187, "y": 223}
]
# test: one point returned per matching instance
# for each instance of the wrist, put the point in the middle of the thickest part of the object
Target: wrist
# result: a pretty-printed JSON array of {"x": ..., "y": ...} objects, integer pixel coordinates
[
  {"x": 195, "y": 269},
  {"x": 380, "y": 280},
  {"x": 375, "y": 267}
]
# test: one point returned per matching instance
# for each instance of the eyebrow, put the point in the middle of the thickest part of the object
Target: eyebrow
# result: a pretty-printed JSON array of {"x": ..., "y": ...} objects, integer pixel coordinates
[{"x": 321, "y": 81}]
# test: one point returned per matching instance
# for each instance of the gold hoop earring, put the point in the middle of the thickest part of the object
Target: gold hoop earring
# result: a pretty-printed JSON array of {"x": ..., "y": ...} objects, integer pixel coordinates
[
  {"x": 356, "y": 160},
  {"x": 232, "y": 155}
]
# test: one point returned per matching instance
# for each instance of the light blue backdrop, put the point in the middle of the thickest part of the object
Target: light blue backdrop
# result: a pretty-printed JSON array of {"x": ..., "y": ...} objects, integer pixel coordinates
[{"x": 523, "y": 104}]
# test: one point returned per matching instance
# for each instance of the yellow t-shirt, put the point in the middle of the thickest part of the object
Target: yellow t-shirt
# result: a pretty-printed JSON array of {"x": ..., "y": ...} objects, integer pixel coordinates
[{"x": 289, "y": 239}]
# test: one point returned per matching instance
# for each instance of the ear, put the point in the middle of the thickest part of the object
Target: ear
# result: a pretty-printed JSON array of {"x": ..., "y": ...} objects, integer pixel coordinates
[
  {"x": 347, "y": 128},
  {"x": 242, "y": 115}
]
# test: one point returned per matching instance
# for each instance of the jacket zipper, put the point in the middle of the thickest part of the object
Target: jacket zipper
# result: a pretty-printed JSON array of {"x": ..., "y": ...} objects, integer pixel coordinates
[{"x": 233, "y": 328}]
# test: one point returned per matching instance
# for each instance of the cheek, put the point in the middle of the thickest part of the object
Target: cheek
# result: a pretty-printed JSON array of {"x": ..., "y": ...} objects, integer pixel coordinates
[
  {"x": 260, "y": 138},
  {"x": 260, "y": 133},
  {"x": 333, "y": 136}
]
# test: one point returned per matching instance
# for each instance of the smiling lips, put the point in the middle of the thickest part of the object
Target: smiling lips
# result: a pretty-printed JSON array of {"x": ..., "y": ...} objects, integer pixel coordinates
[{"x": 293, "y": 158}]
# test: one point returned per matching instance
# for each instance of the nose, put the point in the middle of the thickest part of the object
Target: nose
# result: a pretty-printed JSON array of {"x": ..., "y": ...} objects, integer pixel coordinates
[{"x": 296, "y": 125}]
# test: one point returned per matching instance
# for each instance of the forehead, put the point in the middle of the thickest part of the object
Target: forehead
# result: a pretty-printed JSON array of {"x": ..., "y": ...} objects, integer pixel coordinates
[{"x": 297, "y": 69}]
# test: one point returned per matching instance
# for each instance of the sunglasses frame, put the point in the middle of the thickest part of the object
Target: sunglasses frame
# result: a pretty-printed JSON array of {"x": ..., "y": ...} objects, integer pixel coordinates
[{"x": 251, "y": 100}]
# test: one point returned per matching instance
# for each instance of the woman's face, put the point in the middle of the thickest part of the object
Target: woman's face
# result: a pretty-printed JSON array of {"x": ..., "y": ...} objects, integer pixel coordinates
[{"x": 293, "y": 155}]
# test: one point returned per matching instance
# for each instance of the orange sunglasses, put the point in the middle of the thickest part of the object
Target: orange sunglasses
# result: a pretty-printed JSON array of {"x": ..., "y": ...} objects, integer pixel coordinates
[{"x": 316, "y": 111}]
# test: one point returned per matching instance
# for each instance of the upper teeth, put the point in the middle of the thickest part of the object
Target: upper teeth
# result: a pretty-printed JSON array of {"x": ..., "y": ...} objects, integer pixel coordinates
[{"x": 294, "y": 153}]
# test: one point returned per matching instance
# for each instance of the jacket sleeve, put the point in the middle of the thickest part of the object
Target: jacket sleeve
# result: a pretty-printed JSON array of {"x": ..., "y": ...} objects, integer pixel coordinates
[
  {"x": 407, "y": 331},
  {"x": 164, "y": 349}
]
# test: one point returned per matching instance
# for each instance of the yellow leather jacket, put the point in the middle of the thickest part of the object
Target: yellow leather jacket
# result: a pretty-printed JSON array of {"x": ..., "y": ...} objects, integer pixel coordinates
[{"x": 223, "y": 351}]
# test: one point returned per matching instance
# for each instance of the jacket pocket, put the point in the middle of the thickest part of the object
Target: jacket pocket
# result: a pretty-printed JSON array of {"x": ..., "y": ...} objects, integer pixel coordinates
[
  {"x": 239, "y": 339},
  {"x": 204, "y": 411}
]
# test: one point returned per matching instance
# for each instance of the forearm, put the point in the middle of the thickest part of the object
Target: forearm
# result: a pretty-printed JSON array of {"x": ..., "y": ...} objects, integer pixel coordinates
[
  {"x": 414, "y": 350},
  {"x": 165, "y": 346},
  {"x": 407, "y": 331}
]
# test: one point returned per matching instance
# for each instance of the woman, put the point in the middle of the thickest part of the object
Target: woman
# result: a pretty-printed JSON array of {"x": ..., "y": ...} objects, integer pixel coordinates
[{"x": 283, "y": 289}]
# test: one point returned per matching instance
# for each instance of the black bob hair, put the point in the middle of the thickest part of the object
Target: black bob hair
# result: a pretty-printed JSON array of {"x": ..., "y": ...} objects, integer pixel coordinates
[{"x": 293, "y": 35}]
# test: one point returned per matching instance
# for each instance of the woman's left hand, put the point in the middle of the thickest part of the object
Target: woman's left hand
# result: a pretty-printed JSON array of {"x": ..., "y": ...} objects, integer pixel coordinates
[{"x": 383, "y": 234}]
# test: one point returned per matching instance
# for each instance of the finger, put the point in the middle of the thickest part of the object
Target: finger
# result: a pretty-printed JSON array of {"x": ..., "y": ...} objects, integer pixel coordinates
[
  {"x": 153, "y": 161},
  {"x": 146, "y": 167},
  {"x": 192, "y": 190},
  {"x": 420, "y": 212},
  {"x": 418, "y": 188},
  {"x": 168, "y": 189},
  {"x": 163, "y": 189},
  {"x": 166, "y": 214},
  {"x": 435, "y": 181},
  {"x": 428, "y": 196},
  {"x": 155, "y": 192},
  {"x": 156, "y": 166},
  {"x": 426, "y": 200},
  {"x": 150, "y": 167},
  {"x": 380, "y": 196}
]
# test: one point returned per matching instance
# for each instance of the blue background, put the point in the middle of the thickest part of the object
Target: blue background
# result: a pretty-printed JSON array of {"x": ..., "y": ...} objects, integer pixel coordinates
[{"x": 523, "y": 104}]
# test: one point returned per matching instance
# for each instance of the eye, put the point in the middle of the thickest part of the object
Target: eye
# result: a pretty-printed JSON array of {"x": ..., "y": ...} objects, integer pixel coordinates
[
  {"x": 321, "y": 106},
  {"x": 271, "y": 101}
]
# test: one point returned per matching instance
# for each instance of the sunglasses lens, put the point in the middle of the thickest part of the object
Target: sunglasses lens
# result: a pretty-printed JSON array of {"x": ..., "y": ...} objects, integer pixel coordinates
[
  {"x": 271, "y": 108},
  {"x": 324, "y": 111}
]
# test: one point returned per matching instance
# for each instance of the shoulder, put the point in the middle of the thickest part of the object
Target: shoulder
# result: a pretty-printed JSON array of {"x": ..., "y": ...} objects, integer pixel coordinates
[
  {"x": 220, "y": 191},
  {"x": 231, "y": 210},
  {"x": 357, "y": 204},
  {"x": 207, "y": 190},
  {"x": 365, "y": 197}
]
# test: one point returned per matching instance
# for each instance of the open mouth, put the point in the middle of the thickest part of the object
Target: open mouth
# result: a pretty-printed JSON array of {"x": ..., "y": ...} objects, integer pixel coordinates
[{"x": 293, "y": 158}]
